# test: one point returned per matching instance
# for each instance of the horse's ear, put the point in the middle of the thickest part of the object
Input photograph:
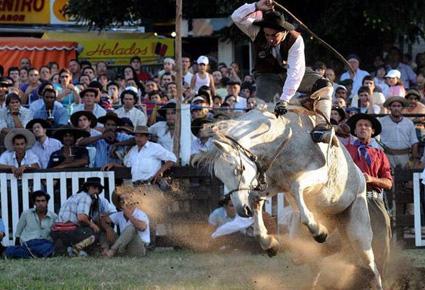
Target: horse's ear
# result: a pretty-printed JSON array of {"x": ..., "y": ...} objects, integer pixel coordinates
[{"x": 222, "y": 146}]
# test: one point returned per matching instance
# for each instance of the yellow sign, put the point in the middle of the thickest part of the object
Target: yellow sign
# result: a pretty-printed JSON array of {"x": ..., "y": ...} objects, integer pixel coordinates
[
  {"x": 119, "y": 51},
  {"x": 25, "y": 12}
]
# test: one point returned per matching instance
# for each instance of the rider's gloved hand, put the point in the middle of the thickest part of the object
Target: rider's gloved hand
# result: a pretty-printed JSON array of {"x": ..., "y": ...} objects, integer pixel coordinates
[{"x": 281, "y": 108}]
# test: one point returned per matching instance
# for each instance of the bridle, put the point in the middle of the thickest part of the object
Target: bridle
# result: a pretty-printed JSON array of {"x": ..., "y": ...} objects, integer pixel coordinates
[{"x": 260, "y": 175}]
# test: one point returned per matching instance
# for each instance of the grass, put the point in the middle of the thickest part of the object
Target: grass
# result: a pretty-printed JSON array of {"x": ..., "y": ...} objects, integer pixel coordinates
[{"x": 163, "y": 270}]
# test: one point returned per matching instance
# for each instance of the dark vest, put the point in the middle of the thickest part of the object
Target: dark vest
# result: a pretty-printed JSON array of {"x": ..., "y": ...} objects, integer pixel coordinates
[{"x": 265, "y": 62}]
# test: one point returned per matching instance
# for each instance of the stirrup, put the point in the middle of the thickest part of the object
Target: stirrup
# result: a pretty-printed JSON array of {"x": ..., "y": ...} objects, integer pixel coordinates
[{"x": 324, "y": 134}]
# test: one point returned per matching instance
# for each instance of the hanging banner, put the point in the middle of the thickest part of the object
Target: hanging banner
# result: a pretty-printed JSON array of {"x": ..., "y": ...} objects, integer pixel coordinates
[{"x": 25, "y": 12}]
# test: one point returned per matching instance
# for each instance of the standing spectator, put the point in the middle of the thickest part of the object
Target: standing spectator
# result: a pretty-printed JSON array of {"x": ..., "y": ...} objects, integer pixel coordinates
[
  {"x": 375, "y": 167},
  {"x": 234, "y": 72},
  {"x": 148, "y": 161},
  {"x": 54, "y": 67},
  {"x": 109, "y": 142},
  {"x": 45, "y": 74},
  {"x": 358, "y": 75},
  {"x": 136, "y": 64},
  {"x": 32, "y": 88},
  {"x": 67, "y": 92},
  {"x": 398, "y": 135},
  {"x": 199, "y": 107},
  {"x": 18, "y": 156},
  {"x": 88, "y": 97},
  {"x": 407, "y": 75},
  {"x": 89, "y": 71},
  {"x": 13, "y": 74},
  {"x": 220, "y": 87},
  {"x": 202, "y": 142},
  {"x": 51, "y": 110},
  {"x": 25, "y": 62},
  {"x": 251, "y": 103},
  {"x": 168, "y": 67},
  {"x": 32, "y": 237},
  {"x": 44, "y": 146},
  {"x": 86, "y": 121},
  {"x": 187, "y": 75},
  {"x": 69, "y": 156},
  {"x": 164, "y": 130},
  {"x": 415, "y": 105},
  {"x": 75, "y": 216},
  {"x": 202, "y": 77},
  {"x": 396, "y": 88},
  {"x": 365, "y": 102},
  {"x": 129, "y": 99},
  {"x": 341, "y": 92},
  {"x": 377, "y": 98},
  {"x": 74, "y": 69},
  {"x": 330, "y": 74},
  {"x": 23, "y": 79},
  {"x": 320, "y": 68},
  {"x": 134, "y": 231},
  {"x": 114, "y": 94},
  {"x": 15, "y": 115},
  {"x": 380, "y": 80}
]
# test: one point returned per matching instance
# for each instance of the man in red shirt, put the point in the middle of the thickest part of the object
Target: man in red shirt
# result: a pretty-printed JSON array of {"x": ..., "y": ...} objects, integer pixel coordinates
[{"x": 377, "y": 172}]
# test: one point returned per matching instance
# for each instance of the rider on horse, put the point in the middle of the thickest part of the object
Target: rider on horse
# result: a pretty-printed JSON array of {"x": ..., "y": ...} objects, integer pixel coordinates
[{"x": 280, "y": 62}]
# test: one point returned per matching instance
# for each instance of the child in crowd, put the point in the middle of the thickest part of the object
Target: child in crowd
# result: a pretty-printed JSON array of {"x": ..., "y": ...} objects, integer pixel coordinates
[{"x": 202, "y": 77}]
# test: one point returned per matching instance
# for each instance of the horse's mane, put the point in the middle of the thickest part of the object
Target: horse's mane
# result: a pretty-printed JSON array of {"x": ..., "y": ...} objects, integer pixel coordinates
[{"x": 232, "y": 128}]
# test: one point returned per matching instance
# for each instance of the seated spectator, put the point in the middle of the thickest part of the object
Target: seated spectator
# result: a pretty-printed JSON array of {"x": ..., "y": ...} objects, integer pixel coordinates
[
  {"x": 32, "y": 237},
  {"x": 415, "y": 105},
  {"x": 134, "y": 236},
  {"x": 86, "y": 121},
  {"x": 14, "y": 115},
  {"x": 219, "y": 84},
  {"x": 320, "y": 68},
  {"x": 145, "y": 159},
  {"x": 69, "y": 156},
  {"x": 246, "y": 90},
  {"x": 52, "y": 111},
  {"x": 366, "y": 104},
  {"x": 18, "y": 157},
  {"x": 217, "y": 102},
  {"x": 202, "y": 142},
  {"x": 114, "y": 94},
  {"x": 165, "y": 79},
  {"x": 129, "y": 99},
  {"x": 377, "y": 98},
  {"x": 330, "y": 74},
  {"x": 168, "y": 67},
  {"x": 164, "y": 130},
  {"x": 5, "y": 83},
  {"x": 110, "y": 145},
  {"x": 75, "y": 231},
  {"x": 44, "y": 146},
  {"x": 30, "y": 92},
  {"x": 341, "y": 92},
  {"x": 340, "y": 102},
  {"x": 88, "y": 97},
  {"x": 67, "y": 92},
  {"x": 380, "y": 80},
  {"x": 171, "y": 91}
]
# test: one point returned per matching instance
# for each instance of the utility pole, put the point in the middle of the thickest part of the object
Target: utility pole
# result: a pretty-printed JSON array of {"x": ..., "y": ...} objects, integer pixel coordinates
[{"x": 179, "y": 76}]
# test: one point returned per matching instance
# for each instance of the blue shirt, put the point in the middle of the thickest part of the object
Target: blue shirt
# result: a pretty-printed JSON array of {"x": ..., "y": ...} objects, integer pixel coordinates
[
  {"x": 2, "y": 229},
  {"x": 43, "y": 151},
  {"x": 103, "y": 156},
  {"x": 59, "y": 113}
]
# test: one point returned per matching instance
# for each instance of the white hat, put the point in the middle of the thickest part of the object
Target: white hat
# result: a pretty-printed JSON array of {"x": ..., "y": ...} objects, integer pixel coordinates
[
  {"x": 341, "y": 87},
  {"x": 393, "y": 74},
  {"x": 203, "y": 59},
  {"x": 169, "y": 60}
]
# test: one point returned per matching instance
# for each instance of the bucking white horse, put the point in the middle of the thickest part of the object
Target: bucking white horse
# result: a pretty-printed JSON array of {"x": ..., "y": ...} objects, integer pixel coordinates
[{"x": 258, "y": 155}]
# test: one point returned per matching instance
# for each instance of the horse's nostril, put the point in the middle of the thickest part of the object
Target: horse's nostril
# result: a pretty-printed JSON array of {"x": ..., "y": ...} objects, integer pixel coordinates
[{"x": 247, "y": 211}]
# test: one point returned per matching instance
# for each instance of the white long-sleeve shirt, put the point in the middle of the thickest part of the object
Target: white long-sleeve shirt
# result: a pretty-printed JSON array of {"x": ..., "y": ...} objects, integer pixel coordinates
[{"x": 244, "y": 17}]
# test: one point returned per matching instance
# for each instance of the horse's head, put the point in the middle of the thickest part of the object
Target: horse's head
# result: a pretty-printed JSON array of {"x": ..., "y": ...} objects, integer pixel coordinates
[{"x": 238, "y": 169}]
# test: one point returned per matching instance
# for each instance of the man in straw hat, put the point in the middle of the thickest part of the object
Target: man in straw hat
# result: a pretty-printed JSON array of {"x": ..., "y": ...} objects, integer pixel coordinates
[
  {"x": 17, "y": 157},
  {"x": 377, "y": 172},
  {"x": 145, "y": 159},
  {"x": 75, "y": 230},
  {"x": 280, "y": 63},
  {"x": 398, "y": 136}
]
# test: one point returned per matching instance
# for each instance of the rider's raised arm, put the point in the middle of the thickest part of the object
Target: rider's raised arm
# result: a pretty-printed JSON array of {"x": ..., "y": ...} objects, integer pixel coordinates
[
  {"x": 296, "y": 69},
  {"x": 244, "y": 18}
]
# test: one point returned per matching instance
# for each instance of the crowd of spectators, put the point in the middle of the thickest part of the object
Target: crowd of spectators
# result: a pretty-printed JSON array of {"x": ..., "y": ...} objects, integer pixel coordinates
[{"x": 88, "y": 115}]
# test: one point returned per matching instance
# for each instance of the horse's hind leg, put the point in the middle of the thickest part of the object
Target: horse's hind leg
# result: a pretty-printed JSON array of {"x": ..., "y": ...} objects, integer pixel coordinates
[
  {"x": 319, "y": 232},
  {"x": 357, "y": 229}
]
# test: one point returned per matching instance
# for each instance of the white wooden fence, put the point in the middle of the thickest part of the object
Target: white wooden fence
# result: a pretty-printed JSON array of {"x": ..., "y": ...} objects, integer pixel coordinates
[
  {"x": 15, "y": 193},
  {"x": 418, "y": 179}
]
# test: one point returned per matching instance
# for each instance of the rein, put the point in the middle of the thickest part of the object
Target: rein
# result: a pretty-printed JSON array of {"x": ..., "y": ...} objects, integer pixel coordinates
[{"x": 261, "y": 170}]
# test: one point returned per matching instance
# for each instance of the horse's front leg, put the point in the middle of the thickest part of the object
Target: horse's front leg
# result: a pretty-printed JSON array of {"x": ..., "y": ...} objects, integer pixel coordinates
[{"x": 267, "y": 242}]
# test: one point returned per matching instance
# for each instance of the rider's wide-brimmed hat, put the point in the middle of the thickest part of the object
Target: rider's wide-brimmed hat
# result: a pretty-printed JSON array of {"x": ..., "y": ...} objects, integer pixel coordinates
[
  {"x": 376, "y": 125},
  {"x": 274, "y": 20}
]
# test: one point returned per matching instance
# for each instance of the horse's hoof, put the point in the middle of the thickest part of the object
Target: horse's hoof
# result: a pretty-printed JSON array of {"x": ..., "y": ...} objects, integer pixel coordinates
[
  {"x": 272, "y": 251},
  {"x": 321, "y": 238}
]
